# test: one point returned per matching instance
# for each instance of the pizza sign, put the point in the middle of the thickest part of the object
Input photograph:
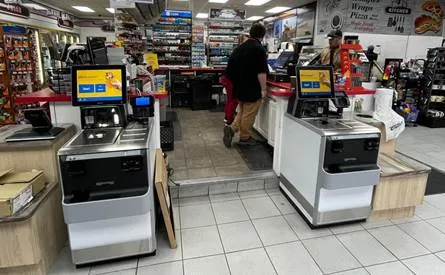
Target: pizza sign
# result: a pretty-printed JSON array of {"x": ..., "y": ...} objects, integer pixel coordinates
[{"x": 430, "y": 19}]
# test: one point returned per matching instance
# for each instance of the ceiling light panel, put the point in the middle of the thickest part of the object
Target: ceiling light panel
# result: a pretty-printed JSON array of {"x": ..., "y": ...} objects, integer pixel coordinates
[
  {"x": 83, "y": 9},
  {"x": 277, "y": 9},
  {"x": 256, "y": 2},
  {"x": 218, "y": 1},
  {"x": 202, "y": 15},
  {"x": 255, "y": 18},
  {"x": 110, "y": 10}
]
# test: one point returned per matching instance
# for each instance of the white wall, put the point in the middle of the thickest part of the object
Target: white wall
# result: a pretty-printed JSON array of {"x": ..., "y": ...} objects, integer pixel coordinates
[{"x": 95, "y": 31}]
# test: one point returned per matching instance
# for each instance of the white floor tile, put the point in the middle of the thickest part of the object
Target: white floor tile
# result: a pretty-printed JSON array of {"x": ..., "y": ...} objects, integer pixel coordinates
[
  {"x": 261, "y": 207},
  {"x": 414, "y": 218},
  {"x": 292, "y": 258},
  {"x": 114, "y": 266},
  {"x": 428, "y": 264},
  {"x": 201, "y": 242},
  {"x": 358, "y": 271},
  {"x": 398, "y": 242},
  {"x": 438, "y": 223},
  {"x": 376, "y": 224},
  {"x": 394, "y": 268},
  {"x": 196, "y": 215},
  {"x": 427, "y": 211},
  {"x": 64, "y": 266},
  {"x": 429, "y": 236},
  {"x": 239, "y": 236},
  {"x": 330, "y": 254},
  {"x": 303, "y": 231},
  {"x": 252, "y": 194},
  {"x": 365, "y": 248},
  {"x": 274, "y": 230},
  {"x": 215, "y": 265},
  {"x": 164, "y": 253},
  {"x": 437, "y": 201},
  {"x": 176, "y": 220},
  {"x": 347, "y": 228},
  {"x": 250, "y": 262},
  {"x": 283, "y": 204},
  {"x": 174, "y": 268},
  {"x": 123, "y": 272},
  {"x": 194, "y": 200},
  {"x": 441, "y": 255},
  {"x": 229, "y": 211},
  {"x": 224, "y": 197}
]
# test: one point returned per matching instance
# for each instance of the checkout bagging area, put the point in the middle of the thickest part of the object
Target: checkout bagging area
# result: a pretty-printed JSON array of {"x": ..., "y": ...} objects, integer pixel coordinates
[{"x": 95, "y": 188}]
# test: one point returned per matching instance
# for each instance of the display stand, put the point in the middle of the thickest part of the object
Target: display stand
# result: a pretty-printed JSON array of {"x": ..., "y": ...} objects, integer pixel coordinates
[
  {"x": 352, "y": 69},
  {"x": 223, "y": 38}
]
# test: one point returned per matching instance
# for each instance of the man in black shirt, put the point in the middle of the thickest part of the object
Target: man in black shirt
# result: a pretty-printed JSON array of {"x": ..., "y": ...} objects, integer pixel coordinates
[{"x": 247, "y": 70}]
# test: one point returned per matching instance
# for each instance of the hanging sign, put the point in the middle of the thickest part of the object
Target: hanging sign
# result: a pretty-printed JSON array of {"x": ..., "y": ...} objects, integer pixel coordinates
[
  {"x": 225, "y": 14},
  {"x": 177, "y": 13},
  {"x": 13, "y": 8},
  {"x": 122, "y": 4},
  {"x": 151, "y": 59}
]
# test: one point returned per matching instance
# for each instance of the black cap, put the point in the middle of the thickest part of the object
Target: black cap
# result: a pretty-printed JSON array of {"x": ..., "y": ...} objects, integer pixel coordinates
[{"x": 335, "y": 33}]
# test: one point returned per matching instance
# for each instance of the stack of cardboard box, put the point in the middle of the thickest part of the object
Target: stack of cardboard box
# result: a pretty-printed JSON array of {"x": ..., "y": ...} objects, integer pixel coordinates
[{"x": 17, "y": 189}]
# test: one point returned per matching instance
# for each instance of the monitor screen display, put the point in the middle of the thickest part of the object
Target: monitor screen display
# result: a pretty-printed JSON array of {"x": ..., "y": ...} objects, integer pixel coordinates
[
  {"x": 143, "y": 101},
  {"x": 283, "y": 59},
  {"x": 94, "y": 85},
  {"x": 315, "y": 82}
]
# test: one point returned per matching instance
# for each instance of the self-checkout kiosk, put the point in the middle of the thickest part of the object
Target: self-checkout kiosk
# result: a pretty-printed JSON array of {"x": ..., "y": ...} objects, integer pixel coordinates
[
  {"x": 328, "y": 164},
  {"x": 107, "y": 171}
]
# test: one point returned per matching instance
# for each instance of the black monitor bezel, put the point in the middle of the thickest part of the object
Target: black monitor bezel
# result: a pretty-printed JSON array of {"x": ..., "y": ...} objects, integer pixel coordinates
[
  {"x": 74, "y": 95},
  {"x": 315, "y": 68}
]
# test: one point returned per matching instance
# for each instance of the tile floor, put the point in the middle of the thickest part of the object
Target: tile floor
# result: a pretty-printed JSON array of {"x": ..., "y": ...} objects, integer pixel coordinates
[
  {"x": 200, "y": 153},
  {"x": 424, "y": 144},
  {"x": 259, "y": 232}
]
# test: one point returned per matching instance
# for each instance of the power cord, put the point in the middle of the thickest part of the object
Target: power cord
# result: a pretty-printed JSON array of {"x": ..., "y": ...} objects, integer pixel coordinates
[{"x": 170, "y": 172}]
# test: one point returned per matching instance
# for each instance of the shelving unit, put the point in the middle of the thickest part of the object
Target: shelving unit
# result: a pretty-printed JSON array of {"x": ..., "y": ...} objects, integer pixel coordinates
[
  {"x": 17, "y": 70},
  {"x": 129, "y": 35},
  {"x": 433, "y": 94},
  {"x": 222, "y": 39},
  {"x": 198, "y": 47},
  {"x": 172, "y": 39}
]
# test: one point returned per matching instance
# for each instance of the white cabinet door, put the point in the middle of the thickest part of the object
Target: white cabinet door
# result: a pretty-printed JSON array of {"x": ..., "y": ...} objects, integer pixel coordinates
[
  {"x": 272, "y": 122},
  {"x": 263, "y": 118}
]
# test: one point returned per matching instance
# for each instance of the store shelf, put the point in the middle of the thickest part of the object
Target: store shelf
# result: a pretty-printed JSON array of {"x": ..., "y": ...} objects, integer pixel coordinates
[{"x": 356, "y": 47}]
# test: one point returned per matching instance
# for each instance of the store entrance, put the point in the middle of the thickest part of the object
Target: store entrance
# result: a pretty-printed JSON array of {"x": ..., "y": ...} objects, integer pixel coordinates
[{"x": 199, "y": 151}]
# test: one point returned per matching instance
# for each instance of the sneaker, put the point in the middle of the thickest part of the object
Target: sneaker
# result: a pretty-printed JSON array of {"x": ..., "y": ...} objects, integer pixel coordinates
[
  {"x": 247, "y": 142},
  {"x": 228, "y": 136}
]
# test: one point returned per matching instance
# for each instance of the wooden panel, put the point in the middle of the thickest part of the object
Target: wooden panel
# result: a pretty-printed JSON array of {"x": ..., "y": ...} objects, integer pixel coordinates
[
  {"x": 17, "y": 244},
  {"x": 37, "y": 240},
  {"x": 399, "y": 191},
  {"x": 164, "y": 197},
  {"x": 37, "y": 269},
  {"x": 399, "y": 213}
]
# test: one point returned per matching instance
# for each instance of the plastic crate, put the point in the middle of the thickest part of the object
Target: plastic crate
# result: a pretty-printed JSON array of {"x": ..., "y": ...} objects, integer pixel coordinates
[{"x": 167, "y": 136}]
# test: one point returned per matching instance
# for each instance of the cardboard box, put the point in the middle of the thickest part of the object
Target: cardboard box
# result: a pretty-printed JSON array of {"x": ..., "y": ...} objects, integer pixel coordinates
[
  {"x": 13, "y": 197},
  {"x": 35, "y": 178}
]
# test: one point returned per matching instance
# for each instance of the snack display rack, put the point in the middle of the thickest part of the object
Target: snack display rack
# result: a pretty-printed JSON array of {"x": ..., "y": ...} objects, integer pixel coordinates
[
  {"x": 172, "y": 38},
  {"x": 433, "y": 94},
  {"x": 222, "y": 39},
  {"x": 354, "y": 68},
  {"x": 128, "y": 34},
  {"x": 17, "y": 69}
]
